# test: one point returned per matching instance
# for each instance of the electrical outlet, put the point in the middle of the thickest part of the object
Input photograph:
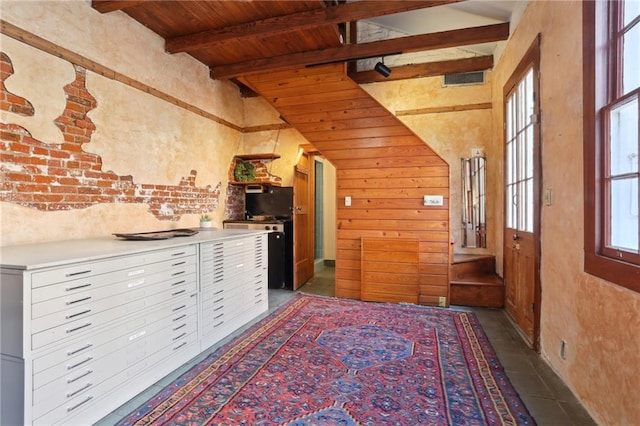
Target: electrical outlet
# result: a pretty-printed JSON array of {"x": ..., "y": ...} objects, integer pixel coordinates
[
  {"x": 442, "y": 301},
  {"x": 563, "y": 349}
]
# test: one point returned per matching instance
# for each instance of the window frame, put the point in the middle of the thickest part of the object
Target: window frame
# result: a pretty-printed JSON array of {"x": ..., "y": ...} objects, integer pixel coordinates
[{"x": 599, "y": 93}]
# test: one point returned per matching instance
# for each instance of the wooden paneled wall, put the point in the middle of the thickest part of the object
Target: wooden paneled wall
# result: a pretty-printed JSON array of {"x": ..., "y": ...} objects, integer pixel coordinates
[{"x": 380, "y": 163}]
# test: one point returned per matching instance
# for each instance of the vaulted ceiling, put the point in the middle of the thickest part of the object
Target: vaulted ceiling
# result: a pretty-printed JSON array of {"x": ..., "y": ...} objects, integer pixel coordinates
[{"x": 242, "y": 38}]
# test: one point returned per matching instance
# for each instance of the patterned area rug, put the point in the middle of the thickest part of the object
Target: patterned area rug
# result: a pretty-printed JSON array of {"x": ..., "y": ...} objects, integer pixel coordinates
[{"x": 325, "y": 361}]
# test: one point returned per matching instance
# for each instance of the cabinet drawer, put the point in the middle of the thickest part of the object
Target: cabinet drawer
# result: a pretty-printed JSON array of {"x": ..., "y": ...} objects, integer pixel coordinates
[
  {"x": 88, "y": 308},
  {"x": 76, "y": 327},
  {"x": 182, "y": 350},
  {"x": 90, "y": 269},
  {"x": 134, "y": 276},
  {"x": 93, "y": 373},
  {"x": 73, "y": 358},
  {"x": 79, "y": 300}
]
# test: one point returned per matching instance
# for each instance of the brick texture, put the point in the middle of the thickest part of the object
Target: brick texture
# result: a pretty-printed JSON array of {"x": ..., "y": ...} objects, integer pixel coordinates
[{"x": 52, "y": 176}]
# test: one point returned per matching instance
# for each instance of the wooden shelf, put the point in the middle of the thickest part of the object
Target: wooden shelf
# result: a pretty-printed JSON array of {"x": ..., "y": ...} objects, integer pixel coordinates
[
  {"x": 255, "y": 182},
  {"x": 258, "y": 156}
]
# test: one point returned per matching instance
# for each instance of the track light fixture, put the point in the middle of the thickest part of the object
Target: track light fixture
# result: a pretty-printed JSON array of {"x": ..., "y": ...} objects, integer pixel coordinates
[{"x": 382, "y": 69}]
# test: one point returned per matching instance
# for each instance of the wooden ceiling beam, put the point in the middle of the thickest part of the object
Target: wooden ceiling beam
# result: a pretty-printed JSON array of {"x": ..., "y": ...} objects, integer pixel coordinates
[
  {"x": 309, "y": 19},
  {"x": 428, "y": 69},
  {"x": 106, "y": 6},
  {"x": 423, "y": 42}
]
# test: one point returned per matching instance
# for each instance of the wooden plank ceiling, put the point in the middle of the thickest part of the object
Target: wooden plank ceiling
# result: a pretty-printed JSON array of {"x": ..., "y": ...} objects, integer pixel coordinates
[{"x": 381, "y": 164}]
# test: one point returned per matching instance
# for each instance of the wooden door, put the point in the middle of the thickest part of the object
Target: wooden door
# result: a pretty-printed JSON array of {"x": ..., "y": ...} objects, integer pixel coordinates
[
  {"x": 522, "y": 197},
  {"x": 303, "y": 213}
]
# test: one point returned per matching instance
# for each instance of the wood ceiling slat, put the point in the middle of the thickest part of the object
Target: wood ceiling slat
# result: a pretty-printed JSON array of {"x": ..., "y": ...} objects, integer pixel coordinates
[
  {"x": 389, "y": 172},
  {"x": 310, "y": 89},
  {"x": 340, "y": 105},
  {"x": 320, "y": 98},
  {"x": 344, "y": 114},
  {"x": 407, "y": 182},
  {"x": 358, "y": 133},
  {"x": 356, "y": 123},
  {"x": 419, "y": 160}
]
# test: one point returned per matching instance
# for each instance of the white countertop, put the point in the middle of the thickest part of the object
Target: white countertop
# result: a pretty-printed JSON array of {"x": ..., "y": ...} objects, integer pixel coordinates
[{"x": 59, "y": 253}]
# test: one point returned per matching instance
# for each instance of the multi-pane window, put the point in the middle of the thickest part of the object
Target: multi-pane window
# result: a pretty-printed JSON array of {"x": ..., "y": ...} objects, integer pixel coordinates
[
  {"x": 621, "y": 220},
  {"x": 520, "y": 121},
  {"x": 611, "y": 139}
]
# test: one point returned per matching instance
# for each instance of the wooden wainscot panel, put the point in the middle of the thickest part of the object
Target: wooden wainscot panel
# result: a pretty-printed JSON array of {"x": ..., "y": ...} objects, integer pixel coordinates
[{"x": 390, "y": 269}]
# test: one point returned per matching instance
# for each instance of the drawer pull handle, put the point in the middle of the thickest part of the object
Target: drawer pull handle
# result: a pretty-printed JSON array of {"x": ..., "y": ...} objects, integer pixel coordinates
[
  {"x": 77, "y": 287},
  {"x": 177, "y": 273},
  {"x": 75, "y": 274},
  {"x": 178, "y": 254},
  {"x": 218, "y": 292},
  {"x": 218, "y": 324},
  {"x": 258, "y": 302},
  {"x": 179, "y": 346},
  {"x": 85, "y": 374},
  {"x": 180, "y": 317},
  {"x": 80, "y": 350},
  {"x": 219, "y": 280},
  {"x": 180, "y": 326},
  {"x": 258, "y": 295},
  {"x": 89, "y": 398},
  {"x": 78, "y": 328},
  {"x": 138, "y": 272},
  {"x": 135, "y": 283},
  {"x": 178, "y": 263},
  {"x": 79, "y": 300},
  {"x": 178, "y": 292},
  {"x": 78, "y": 314},
  {"x": 180, "y": 336},
  {"x": 218, "y": 316},
  {"x": 179, "y": 282},
  {"x": 85, "y": 387},
  {"x": 219, "y": 268},
  {"x": 178, "y": 308},
  {"x": 218, "y": 300},
  {"x": 218, "y": 308},
  {"x": 71, "y": 367}
]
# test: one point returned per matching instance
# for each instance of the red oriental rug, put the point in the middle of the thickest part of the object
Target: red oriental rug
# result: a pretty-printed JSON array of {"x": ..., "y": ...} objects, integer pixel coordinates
[{"x": 325, "y": 361}]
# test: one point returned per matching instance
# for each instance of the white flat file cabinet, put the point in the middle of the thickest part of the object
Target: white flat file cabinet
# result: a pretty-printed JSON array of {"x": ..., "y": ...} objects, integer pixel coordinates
[{"x": 81, "y": 334}]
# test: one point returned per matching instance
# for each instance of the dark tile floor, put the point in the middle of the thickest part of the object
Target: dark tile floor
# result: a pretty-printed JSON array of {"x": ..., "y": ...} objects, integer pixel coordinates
[{"x": 548, "y": 399}]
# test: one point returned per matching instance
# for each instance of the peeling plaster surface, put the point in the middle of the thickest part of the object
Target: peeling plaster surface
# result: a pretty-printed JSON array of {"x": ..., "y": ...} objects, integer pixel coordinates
[
  {"x": 599, "y": 321},
  {"x": 132, "y": 50},
  {"x": 45, "y": 94},
  {"x": 161, "y": 142}
]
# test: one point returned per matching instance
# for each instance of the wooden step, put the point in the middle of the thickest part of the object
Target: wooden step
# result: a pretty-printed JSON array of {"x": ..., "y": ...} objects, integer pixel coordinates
[
  {"x": 481, "y": 290},
  {"x": 472, "y": 265}
]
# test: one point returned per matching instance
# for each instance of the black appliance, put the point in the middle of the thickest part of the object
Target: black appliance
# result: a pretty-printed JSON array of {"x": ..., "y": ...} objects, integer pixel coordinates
[
  {"x": 273, "y": 201},
  {"x": 280, "y": 242}
]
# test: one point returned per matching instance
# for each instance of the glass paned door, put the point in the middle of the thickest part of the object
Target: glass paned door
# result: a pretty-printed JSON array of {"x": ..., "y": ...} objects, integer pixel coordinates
[{"x": 520, "y": 163}]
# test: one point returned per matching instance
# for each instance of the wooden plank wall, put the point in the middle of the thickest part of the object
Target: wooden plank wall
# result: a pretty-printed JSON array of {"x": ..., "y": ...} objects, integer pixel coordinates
[{"x": 380, "y": 163}]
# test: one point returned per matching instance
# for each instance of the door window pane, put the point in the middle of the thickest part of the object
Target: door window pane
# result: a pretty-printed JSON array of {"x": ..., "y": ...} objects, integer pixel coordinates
[{"x": 624, "y": 214}]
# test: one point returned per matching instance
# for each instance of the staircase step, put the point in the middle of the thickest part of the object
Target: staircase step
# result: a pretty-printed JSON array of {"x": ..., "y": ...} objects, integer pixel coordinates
[
  {"x": 483, "y": 290},
  {"x": 467, "y": 265}
]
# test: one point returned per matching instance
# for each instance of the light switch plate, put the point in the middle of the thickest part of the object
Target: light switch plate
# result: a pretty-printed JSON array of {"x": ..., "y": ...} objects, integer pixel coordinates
[
  {"x": 347, "y": 201},
  {"x": 433, "y": 200}
]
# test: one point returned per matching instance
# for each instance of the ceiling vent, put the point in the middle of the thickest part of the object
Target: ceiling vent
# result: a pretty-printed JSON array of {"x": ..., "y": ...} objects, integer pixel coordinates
[{"x": 463, "y": 78}]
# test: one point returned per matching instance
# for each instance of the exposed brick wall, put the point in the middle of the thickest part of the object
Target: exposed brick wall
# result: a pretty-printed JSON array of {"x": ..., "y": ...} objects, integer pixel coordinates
[
  {"x": 52, "y": 176},
  {"x": 234, "y": 205}
]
